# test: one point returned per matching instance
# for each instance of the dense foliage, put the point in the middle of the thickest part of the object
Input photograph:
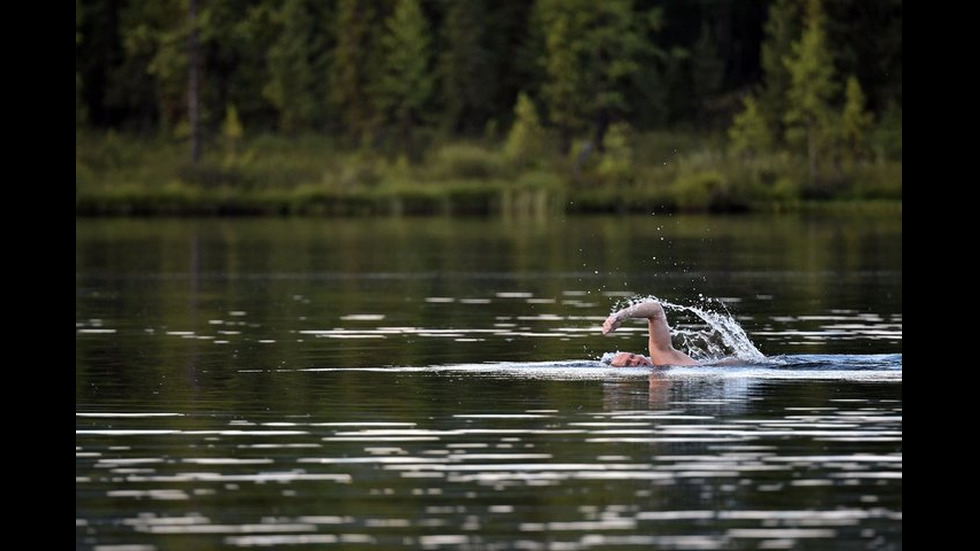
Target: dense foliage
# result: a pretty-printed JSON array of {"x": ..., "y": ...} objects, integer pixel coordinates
[{"x": 565, "y": 86}]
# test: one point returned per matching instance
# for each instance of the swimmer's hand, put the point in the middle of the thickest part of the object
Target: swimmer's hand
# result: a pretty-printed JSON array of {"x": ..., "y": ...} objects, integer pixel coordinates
[{"x": 612, "y": 323}]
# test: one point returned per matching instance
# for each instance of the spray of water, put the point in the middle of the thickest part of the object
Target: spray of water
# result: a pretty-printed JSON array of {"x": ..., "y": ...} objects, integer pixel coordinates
[{"x": 717, "y": 335}]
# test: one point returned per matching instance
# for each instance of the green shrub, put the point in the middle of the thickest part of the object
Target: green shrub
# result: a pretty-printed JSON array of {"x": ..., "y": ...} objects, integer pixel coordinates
[
  {"x": 356, "y": 172},
  {"x": 473, "y": 199},
  {"x": 468, "y": 162},
  {"x": 767, "y": 177},
  {"x": 525, "y": 143},
  {"x": 664, "y": 149},
  {"x": 538, "y": 179},
  {"x": 887, "y": 135},
  {"x": 207, "y": 175},
  {"x": 616, "y": 163},
  {"x": 879, "y": 181},
  {"x": 648, "y": 172},
  {"x": 106, "y": 152},
  {"x": 707, "y": 190}
]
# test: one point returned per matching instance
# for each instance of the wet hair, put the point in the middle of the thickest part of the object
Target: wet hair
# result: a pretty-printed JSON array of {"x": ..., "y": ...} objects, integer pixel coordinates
[{"x": 608, "y": 357}]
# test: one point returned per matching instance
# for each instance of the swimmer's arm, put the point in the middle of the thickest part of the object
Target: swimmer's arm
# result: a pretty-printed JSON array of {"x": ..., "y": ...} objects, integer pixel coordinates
[
  {"x": 662, "y": 351},
  {"x": 650, "y": 309}
]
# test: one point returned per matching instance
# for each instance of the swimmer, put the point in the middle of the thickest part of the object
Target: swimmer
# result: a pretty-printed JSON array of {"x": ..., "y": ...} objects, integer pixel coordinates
[{"x": 662, "y": 351}]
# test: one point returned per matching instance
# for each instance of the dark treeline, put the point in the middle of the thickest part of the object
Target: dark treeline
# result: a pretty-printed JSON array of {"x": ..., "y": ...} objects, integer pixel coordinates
[
  {"x": 368, "y": 68},
  {"x": 618, "y": 104}
]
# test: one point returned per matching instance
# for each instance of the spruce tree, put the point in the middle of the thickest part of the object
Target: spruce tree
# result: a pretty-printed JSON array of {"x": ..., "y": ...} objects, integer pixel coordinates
[
  {"x": 406, "y": 82},
  {"x": 351, "y": 73},
  {"x": 616, "y": 42},
  {"x": 564, "y": 89},
  {"x": 464, "y": 66},
  {"x": 707, "y": 70},
  {"x": 525, "y": 141},
  {"x": 232, "y": 133},
  {"x": 193, "y": 80},
  {"x": 749, "y": 133},
  {"x": 856, "y": 122},
  {"x": 291, "y": 72},
  {"x": 592, "y": 56},
  {"x": 809, "y": 117},
  {"x": 782, "y": 29}
]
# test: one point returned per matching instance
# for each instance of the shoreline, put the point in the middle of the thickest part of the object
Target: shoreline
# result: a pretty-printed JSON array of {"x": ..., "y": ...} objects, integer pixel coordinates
[
  {"x": 478, "y": 202},
  {"x": 118, "y": 175}
]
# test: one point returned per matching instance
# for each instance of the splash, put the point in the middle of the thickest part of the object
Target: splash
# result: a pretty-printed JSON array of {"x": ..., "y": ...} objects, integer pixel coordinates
[{"x": 718, "y": 335}]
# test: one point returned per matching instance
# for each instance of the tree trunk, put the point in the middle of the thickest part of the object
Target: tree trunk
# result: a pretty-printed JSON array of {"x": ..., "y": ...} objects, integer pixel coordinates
[
  {"x": 564, "y": 140},
  {"x": 811, "y": 139},
  {"x": 193, "y": 86},
  {"x": 601, "y": 126}
]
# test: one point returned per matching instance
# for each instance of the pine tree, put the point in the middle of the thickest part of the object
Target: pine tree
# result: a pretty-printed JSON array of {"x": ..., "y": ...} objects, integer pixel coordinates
[
  {"x": 856, "y": 122},
  {"x": 240, "y": 36},
  {"x": 232, "y": 132},
  {"x": 809, "y": 117},
  {"x": 514, "y": 55},
  {"x": 749, "y": 134},
  {"x": 193, "y": 80},
  {"x": 781, "y": 29},
  {"x": 351, "y": 73},
  {"x": 616, "y": 164},
  {"x": 464, "y": 67},
  {"x": 291, "y": 73},
  {"x": 155, "y": 40},
  {"x": 525, "y": 141},
  {"x": 707, "y": 70},
  {"x": 406, "y": 83},
  {"x": 616, "y": 41},
  {"x": 591, "y": 58},
  {"x": 564, "y": 88}
]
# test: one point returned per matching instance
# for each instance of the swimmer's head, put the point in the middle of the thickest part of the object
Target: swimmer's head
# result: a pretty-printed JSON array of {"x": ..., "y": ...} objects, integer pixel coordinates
[{"x": 625, "y": 359}]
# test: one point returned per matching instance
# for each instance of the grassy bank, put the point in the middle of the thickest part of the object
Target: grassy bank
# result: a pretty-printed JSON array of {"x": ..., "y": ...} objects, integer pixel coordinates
[{"x": 269, "y": 175}]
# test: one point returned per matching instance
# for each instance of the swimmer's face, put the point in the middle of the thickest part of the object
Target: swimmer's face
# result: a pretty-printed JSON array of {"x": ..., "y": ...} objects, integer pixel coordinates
[{"x": 628, "y": 359}]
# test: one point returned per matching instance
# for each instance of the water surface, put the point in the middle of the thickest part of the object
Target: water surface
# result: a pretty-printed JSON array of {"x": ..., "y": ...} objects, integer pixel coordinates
[{"x": 434, "y": 383}]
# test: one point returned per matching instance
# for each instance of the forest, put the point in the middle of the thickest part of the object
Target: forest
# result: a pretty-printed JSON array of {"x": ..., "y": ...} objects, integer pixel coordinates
[{"x": 480, "y": 106}]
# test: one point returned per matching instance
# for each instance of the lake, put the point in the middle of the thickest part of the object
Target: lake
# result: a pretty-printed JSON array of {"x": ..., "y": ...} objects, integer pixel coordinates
[{"x": 434, "y": 383}]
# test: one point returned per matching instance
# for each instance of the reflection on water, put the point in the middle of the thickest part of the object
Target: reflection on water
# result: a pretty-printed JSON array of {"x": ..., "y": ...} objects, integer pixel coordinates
[
  {"x": 381, "y": 384},
  {"x": 657, "y": 459}
]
